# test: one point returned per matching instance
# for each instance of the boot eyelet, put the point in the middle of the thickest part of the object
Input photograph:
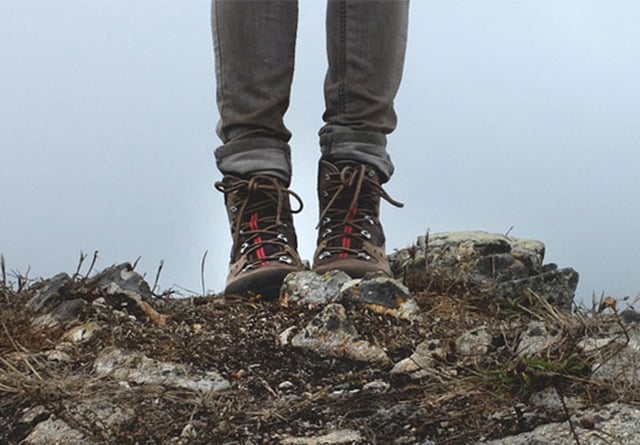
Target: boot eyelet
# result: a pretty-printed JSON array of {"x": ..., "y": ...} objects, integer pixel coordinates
[
  {"x": 366, "y": 234},
  {"x": 325, "y": 194},
  {"x": 371, "y": 173},
  {"x": 364, "y": 256},
  {"x": 326, "y": 232},
  {"x": 244, "y": 248},
  {"x": 368, "y": 219},
  {"x": 247, "y": 267},
  {"x": 233, "y": 209},
  {"x": 286, "y": 259},
  {"x": 282, "y": 238},
  {"x": 324, "y": 254},
  {"x": 326, "y": 221},
  {"x": 327, "y": 177}
]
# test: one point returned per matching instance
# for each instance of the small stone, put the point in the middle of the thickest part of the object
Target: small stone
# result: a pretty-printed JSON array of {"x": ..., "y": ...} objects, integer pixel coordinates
[
  {"x": 377, "y": 386},
  {"x": 382, "y": 294},
  {"x": 334, "y": 437},
  {"x": 424, "y": 361},
  {"x": 122, "y": 279},
  {"x": 310, "y": 288},
  {"x": 57, "y": 356},
  {"x": 54, "y": 431},
  {"x": 82, "y": 333},
  {"x": 284, "y": 336},
  {"x": 474, "y": 344},
  {"x": 51, "y": 292},
  {"x": 137, "y": 368},
  {"x": 331, "y": 334},
  {"x": 285, "y": 385},
  {"x": 62, "y": 313},
  {"x": 536, "y": 339}
]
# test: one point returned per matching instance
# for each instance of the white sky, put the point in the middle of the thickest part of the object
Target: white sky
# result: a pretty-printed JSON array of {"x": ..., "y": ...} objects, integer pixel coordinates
[{"x": 512, "y": 113}]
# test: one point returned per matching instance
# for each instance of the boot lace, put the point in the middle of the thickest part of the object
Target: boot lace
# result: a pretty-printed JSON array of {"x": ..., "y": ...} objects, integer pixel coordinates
[
  {"x": 258, "y": 230},
  {"x": 341, "y": 224}
]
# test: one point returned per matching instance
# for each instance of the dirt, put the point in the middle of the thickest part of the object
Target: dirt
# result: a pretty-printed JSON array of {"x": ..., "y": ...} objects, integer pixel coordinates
[{"x": 276, "y": 391}]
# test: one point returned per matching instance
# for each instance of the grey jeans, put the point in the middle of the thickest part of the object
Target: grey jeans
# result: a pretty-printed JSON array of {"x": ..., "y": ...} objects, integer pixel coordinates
[{"x": 254, "y": 43}]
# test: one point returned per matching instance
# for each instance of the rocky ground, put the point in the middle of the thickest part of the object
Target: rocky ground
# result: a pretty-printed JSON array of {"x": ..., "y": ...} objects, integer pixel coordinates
[{"x": 475, "y": 341}]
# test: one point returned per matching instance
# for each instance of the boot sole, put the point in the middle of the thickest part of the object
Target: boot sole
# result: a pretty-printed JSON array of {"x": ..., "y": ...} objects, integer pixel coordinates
[{"x": 265, "y": 281}]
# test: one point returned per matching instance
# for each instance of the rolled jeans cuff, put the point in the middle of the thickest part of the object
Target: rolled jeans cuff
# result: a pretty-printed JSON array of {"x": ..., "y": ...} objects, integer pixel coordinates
[
  {"x": 257, "y": 156},
  {"x": 339, "y": 144}
]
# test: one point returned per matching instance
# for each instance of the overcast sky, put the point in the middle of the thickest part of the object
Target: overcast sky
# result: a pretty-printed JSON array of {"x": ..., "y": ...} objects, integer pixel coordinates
[{"x": 512, "y": 113}]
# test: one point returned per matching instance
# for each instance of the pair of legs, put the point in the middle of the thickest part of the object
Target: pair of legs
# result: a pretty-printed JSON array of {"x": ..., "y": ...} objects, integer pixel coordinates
[{"x": 255, "y": 51}]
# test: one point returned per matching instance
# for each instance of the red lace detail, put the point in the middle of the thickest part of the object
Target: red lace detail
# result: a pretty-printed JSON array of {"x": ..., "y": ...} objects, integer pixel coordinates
[
  {"x": 346, "y": 240},
  {"x": 253, "y": 225}
]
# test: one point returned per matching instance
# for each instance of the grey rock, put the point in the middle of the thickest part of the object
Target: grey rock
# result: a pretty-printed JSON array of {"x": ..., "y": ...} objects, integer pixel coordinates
[
  {"x": 122, "y": 279},
  {"x": 473, "y": 345},
  {"x": 137, "y": 368},
  {"x": 425, "y": 360},
  {"x": 535, "y": 339},
  {"x": 331, "y": 334},
  {"x": 82, "y": 333},
  {"x": 558, "y": 286},
  {"x": 55, "y": 431},
  {"x": 334, "y": 437},
  {"x": 630, "y": 315},
  {"x": 382, "y": 294},
  {"x": 310, "y": 288},
  {"x": 613, "y": 423},
  {"x": 99, "y": 411},
  {"x": 507, "y": 266},
  {"x": 478, "y": 258},
  {"x": 615, "y": 357},
  {"x": 51, "y": 292},
  {"x": 62, "y": 313}
]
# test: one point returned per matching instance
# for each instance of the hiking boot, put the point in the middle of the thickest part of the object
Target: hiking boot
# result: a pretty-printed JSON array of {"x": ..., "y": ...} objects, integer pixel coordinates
[
  {"x": 264, "y": 239},
  {"x": 350, "y": 236}
]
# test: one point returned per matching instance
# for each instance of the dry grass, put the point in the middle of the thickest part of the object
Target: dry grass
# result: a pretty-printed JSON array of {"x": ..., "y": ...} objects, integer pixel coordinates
[{"x": 455, "y": 404}]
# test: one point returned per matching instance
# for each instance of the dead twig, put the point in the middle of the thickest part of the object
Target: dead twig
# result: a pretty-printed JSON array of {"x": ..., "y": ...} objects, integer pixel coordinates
[
  {"x": 155, "y": 283},
  {"x": 93, "y": 263},
  {"x": 202, "y": 264},
  {"x": 76, "y": 274}
]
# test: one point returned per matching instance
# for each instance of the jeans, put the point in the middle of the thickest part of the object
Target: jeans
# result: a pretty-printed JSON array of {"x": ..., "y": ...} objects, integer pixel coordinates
[{"x": 254, "y": 42}]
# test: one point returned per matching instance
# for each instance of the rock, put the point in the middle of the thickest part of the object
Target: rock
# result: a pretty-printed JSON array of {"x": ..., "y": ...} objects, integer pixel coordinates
[
  {"x": 137, "y": 368},
  {"x": 334, "y": 437},
  {"x": 55, "y": 431},
  {"x": 82, "y": 333},
  {"x": 62, "y": 313},
  {"x": 536, "y": 339},
  {"x": 473, "y": 257},
  {"x": 331, "y": 334},
  {"x": 594, "y": 426},
  {"x": 558, "y": 286},
  {"x": 473, "y": 345},
  {"x": 377, "y": 386},
  {"x": 51, "y": 292},
  {"x": 310, "y": 288},
  {"x": 615, "y": 358},
  {"x": 630, "y": 315},
  {"x": 383, "y": 295},
  {"x": 424, "y": 361},
  {"x": 509, "y": 267},
  {"x": 122, "y": 279}
]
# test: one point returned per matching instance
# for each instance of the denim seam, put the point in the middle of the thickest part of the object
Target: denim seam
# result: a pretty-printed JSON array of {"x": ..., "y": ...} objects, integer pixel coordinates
[
  {"x": 342, "y": 102},
  {"x": 220, "y": 76}
]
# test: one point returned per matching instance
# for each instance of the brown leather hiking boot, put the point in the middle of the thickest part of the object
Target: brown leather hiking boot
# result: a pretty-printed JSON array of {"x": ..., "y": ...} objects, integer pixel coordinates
[
  {"x": 350, "y": 236},
  {"x": 264, "y": 239}
]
